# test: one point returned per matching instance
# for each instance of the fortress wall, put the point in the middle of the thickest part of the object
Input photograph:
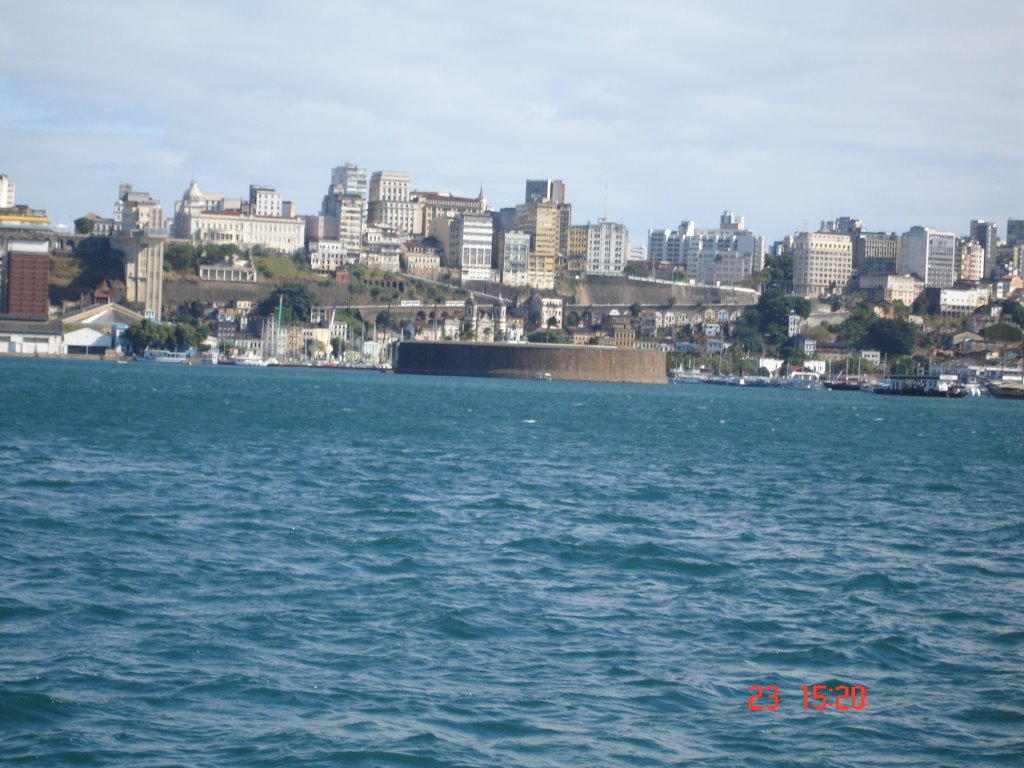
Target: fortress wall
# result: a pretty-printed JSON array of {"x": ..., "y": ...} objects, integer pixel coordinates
[{"x": 566, "y": 362}]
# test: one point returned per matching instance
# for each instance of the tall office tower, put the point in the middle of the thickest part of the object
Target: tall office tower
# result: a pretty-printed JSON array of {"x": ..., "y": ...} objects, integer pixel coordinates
[
  {"x": 929, "y": 254},
  {"x": 876, "y": 253},
  {"x": 353, "y": 180},
  {"x": 26, "y": 282},
  {"x": 540, "y": 219},
  {"x": 551, "y": 190},
  {"x": 139, "y": 234},
  {"x": 984, "y": 233},
  {"x": 1014, "y": 232},
  {"x": 822, "y": 263},
  {"x": 607, "y": 248},
  {"x": 390, "y": 204},
  {"x": 6, "y": 192}
]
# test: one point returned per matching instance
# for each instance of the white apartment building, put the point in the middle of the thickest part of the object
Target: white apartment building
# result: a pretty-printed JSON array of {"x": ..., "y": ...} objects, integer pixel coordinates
[
  {"x": 607, "y": 248},
  {"x": 264, "y": 201},
  {"x": 822, "y": 263},
  {"x": 328, "y": 256},
  {"x": 382, "y": 248},
  {"x": 470, "y": 245},
  {"x": 724, "y": 255},
  {"x": 930, "y": 254},
  {"x": 513, "y": 252},
  {"x": 890, "y": 288},
  {"x": 962, "y": 301},
  {"x": 6, "y": 191}
]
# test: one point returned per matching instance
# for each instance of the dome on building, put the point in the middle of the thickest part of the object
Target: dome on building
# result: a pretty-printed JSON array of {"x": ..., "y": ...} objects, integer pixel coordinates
[{"x": 193, "y": 193}]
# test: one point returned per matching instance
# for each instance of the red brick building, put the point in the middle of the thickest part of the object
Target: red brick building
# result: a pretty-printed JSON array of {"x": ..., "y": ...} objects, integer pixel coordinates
[{"x": 26, "y": 284}]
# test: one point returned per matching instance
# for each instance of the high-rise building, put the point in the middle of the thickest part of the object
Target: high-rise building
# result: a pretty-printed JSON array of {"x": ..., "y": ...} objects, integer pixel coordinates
[
  {"x": 470, "y": 246},
  {"x": 6, "y": 192},
  {"x": 984, "y": 233},
  {"x": 540, "y": 220},
  {"x": 513, "y": 249},
  {"x": 970, "y": 260},
  {"x": 430, "y": 205},
  {"x": 1014, "y": 232},
  {"x": 875, "y": 253},
  {"x": 607, "y": 248},
  {"x": 929, "y": 254},
  {"x": 390, "y": 204},
  {"x": 822, "y": 263},
  {"x": 139, "y": 234},
  {"x": 353, "y": 180}
]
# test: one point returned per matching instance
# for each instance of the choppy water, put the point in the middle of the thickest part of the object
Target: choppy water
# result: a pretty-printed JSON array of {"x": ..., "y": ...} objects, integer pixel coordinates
[{"x": 228, "y": 566}]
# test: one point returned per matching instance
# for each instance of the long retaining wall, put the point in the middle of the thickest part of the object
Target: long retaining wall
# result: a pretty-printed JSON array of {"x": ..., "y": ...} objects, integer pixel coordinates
[{"x": 523, "y": 361}]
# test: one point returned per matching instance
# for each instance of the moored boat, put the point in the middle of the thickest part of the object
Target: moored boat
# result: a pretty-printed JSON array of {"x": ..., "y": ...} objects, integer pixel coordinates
[
  {"x": 1006, "y": 389},
  {"x": 943, "y": 385}
]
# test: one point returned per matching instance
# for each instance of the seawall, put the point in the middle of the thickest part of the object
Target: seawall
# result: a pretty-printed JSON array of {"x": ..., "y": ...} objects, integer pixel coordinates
[{"x": 560, "y": 361}]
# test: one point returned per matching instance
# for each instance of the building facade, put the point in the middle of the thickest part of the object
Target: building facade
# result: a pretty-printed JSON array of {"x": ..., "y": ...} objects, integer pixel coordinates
[
  {"x": 389, "y": 203},
  {"x": 876, "y": 253},
  {"x": 607, "y": 248},
  {"x": 6, "y": 191},
  {"x": 470, "y": 246},
  {"x": 540, "y": 220},
  {"x": 513, "y": 250},
  {"x": 25, "y": 284},
  {"x": 139, "y": 234},
  {"x": 822, "y": 263},
  {"x": 931, "y": 255}
]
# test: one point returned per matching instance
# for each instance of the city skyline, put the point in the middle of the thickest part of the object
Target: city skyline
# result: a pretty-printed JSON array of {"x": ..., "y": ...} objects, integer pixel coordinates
[{"x": 788, "y": 114}]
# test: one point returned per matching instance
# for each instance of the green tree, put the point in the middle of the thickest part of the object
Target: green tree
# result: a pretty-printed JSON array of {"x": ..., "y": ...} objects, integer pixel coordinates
[
  {"x": 637, "y": 269},
  {"x": 296, "y": 301},
  {"x": 548, "y": 336},
  {"x": 1003, "y": 332},
  {"x": 1013, "y": 312},
  {"x": 84, "y": 226},
  {"x": 635, "y": 308},
  {"x": 573, "y": 318},
  {"x": 893, "y": 337},
  {"x": 180, "y": 258}
]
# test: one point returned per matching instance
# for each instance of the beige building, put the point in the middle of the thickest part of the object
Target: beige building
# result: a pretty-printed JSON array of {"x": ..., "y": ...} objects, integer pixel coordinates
[
  {"x": 540, "y": 220},
  {"x": 891, "y": 288},
  {"x": 430, "y": 205},
  {"x": 139, "y": 234},
  {"x": 822, "y": 263},
  {"x": 390, "y": 204}
]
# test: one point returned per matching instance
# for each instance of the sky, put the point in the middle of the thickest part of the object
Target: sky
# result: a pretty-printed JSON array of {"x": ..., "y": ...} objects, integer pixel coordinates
[{"x": 788, "y": 113}]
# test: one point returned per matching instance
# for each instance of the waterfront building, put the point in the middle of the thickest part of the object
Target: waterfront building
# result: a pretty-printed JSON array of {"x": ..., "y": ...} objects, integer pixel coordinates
[
  {"x": 984, "y": 233},
  {"x": 31, "y": 337},
  {"x": 6, "y": 191},
  {"x": 930, "y": 254},
  {"x": 25, "y": 282},
  {"x": 607, "y": 248},
  {"x": 390, "y": 204},
  {"x": 98, "y": 329},
  {"x": 822, "y": 263},
  {"x": 139, "y": 234}
]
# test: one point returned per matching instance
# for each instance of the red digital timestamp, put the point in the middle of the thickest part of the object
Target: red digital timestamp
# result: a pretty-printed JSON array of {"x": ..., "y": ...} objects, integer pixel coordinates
[{"x": 838, "y": 697}]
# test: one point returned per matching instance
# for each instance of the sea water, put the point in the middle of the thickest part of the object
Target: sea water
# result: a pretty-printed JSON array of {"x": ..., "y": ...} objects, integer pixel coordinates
[{"x": 239, "y": 566}]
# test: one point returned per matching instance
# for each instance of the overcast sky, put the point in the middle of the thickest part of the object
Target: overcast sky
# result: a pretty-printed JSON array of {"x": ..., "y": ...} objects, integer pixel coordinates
[{"x": 899, "y": 113}]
